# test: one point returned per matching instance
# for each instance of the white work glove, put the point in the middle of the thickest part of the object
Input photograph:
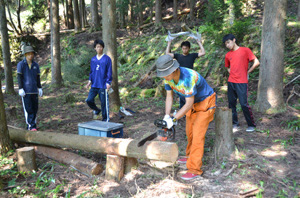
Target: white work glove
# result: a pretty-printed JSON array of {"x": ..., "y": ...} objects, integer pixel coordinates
[
  {"x": 40, "y": 92},
  {"x": 169, "y": 122},
  {"x": 166, "y": 117},
  {"x": 22, "y": 92}
]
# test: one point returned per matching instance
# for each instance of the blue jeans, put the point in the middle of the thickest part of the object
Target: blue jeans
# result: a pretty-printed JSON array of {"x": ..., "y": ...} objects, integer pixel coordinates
[{"x": 103, "y": 96}]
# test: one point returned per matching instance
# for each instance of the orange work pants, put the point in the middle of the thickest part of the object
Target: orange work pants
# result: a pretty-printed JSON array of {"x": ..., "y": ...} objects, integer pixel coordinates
[{"x": 197, "y": 121}]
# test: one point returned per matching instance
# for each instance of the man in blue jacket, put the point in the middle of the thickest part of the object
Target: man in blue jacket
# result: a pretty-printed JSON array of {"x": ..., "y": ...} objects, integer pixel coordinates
[
  {"x": 29, "y": 86},
  {"x": 100, "y": 81}
]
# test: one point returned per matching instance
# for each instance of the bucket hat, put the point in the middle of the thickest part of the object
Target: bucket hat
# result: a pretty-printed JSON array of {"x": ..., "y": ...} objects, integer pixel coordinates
[
  {"x": 165, "y": 65},
  {"x": 27, "y": 48}
]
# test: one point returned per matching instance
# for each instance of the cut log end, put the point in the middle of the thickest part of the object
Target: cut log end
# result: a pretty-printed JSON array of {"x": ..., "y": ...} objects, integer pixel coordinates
[{"x": 26, "y": 159}]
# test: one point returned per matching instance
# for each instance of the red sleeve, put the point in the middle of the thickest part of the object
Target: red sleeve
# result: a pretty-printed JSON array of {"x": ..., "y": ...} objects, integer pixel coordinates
[
  {"x": 251, "y": 56},
  {"x": 227, "y": 63}
]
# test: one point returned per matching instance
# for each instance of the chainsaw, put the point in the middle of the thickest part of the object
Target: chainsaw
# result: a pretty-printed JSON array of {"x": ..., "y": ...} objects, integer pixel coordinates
[{"x": 163, "y": 133}]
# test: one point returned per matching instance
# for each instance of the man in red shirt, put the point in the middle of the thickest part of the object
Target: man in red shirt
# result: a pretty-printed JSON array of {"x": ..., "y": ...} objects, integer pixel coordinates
[{"x": 236, "y": 61}]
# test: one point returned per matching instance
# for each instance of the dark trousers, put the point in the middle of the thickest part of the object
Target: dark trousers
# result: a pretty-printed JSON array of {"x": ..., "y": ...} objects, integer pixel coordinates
[
  {"x": 30, "y": 106},
  {"x": 239, "y": 90},
  {"x": 103, "y": 96}
]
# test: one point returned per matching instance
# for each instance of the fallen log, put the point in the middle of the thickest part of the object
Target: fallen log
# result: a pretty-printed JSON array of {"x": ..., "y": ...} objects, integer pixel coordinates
[
  {"x": 153, "y": 150},
  {"x": 80, "y": 163}
]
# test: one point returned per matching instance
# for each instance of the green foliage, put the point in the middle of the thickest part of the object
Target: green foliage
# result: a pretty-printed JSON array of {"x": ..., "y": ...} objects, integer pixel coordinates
[
  {"x": 214, "y": 12},
  {"x": 147, "y": 93},
  {"x": 77, "y": 66},
  {"x": 292, "y": 125},
  {"x": 38, "y": 9},
  {"x": 240, "y": 29},
  {"x": 267, "y": 131}
]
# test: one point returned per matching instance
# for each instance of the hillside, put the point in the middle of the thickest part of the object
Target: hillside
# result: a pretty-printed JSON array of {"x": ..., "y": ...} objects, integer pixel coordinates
[{"x": 265, "y": 160}]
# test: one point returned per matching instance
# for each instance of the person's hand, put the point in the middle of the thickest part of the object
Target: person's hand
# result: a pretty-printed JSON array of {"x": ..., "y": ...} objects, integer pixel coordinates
[
  {"x": 22, "y": 92},
  {"x": 166, "y": 117},
  {"x": 40, "y": 92},
  {"x": 169, "y": 122},
  {"x": 88, "y": 84},
  {"x": 169, "y": 37},
  {"x": 108, "y": 86}
]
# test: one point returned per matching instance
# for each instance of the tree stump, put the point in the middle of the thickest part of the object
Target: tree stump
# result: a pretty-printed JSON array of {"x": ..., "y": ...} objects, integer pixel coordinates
[
  {"x": 114, "y": 167},
  {"x": 224, "y": 143},
  {"x": 26, "y": 159},
  {"x": 130, "y": 162}
]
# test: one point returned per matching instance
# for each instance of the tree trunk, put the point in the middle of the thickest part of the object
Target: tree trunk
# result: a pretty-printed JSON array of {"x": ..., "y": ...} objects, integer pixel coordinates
[
  {"x": 122, "y": 17},
  {"x": 26, "y": 159},
  {"x": 55, "y": 46},
  {"x": 65, "y": 10},
  {"x": 140, "y": 12},
  {"x": 95, "y": 15},
  {"x": 80, "y": 163},
  {"x": 11, "y": 20},
  {"x": 231, "y": 12},
  {"x": 6, "y": 51},
  {"x": 76, "y": 16},
  {"x": 270, "y": 86},
  {"x": 5, "y": 142},
  {"x": 110, "y": 40},
  {"x": 175, "y": 5},
  {"x": 130, "y": 11},
  {"x": 158, "y": 14},
  {"x": 70, "y": 14},
  {"x": 82, "y": 13},
  {"x": 155, "y": 150},
  {"x": 224, "y": 143},
  {"x": 192, "y": 8},
  {"x": 298, "y": 10},
  {"x": 49, "y": 12},
  {"x": 19, "y": 16},
  {"x": 187, "y": 3}
]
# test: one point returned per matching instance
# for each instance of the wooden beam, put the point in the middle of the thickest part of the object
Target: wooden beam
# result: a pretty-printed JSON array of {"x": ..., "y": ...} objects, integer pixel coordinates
[
  {"x": 155, "y": 150},
  {"x": 114, "y": 167}
]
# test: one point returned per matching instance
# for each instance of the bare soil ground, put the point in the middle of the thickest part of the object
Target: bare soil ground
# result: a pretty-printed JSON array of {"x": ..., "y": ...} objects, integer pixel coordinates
[{"x": 267, "y": 159}]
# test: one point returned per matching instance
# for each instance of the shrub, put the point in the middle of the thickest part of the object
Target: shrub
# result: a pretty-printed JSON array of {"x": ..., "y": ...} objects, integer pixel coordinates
[{"x": 77, "y": 67}]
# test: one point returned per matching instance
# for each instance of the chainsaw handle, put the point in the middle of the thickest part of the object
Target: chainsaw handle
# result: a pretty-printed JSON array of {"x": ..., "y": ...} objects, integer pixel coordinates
[{"x": 160, "y": 123}]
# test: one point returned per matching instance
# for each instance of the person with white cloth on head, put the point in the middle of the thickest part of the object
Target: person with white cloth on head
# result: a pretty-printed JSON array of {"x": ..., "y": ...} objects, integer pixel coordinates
[
  {"x": 29, "y": 86},
  {"x": 186, "y": 59}
]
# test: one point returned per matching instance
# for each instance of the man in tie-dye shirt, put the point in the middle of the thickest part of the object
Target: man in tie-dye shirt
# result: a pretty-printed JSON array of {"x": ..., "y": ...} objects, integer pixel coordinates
[{"x": 199, "y": 108}]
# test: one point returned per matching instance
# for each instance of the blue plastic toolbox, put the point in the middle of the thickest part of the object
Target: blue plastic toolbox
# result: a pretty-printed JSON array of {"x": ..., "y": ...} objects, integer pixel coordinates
[{"x": 101, "y": 129}]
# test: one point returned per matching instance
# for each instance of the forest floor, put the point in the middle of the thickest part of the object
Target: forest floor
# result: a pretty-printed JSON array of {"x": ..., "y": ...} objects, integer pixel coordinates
[{"x": 266, "y": 160}]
